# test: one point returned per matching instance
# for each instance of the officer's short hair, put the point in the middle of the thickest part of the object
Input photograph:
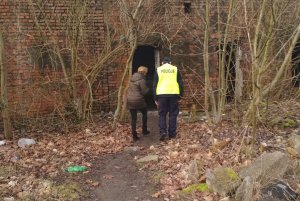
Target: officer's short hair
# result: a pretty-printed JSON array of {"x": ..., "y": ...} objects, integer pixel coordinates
[{"x": 166, "y": 60}]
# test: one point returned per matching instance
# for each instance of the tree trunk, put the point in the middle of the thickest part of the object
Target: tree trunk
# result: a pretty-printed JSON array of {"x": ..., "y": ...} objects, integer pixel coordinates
[
  {"x": 207, "y": 85},
  {"x": 222, "y": 74},
  {"x": 133, "y": 39},
  {"x": 217, "y": 107},
  {"x": 238, "y": 92},
  {"x": 4, "y": 100}
]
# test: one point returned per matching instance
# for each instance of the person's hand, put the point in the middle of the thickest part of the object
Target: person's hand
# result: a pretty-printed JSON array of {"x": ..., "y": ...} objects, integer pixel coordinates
[{"x": 157, "y": 104}]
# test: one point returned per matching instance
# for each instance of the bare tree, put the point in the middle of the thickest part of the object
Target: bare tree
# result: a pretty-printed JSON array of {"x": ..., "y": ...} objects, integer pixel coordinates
[
  {"x": 265, "y": 52},
  {"x": 53, "y": 46},
  {"x": 81, "y": 77},
  {"x": 211, "y": 103},
  {"x": 141, "y": 23},
  {"x": 208, "y": 87},
  {"x": 130, "y": 19}
]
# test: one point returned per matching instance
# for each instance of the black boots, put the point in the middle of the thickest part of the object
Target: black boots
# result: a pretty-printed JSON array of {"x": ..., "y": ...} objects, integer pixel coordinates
[
  {"x": 135, "y": 137},
  {"x": 163, "y": 137}
]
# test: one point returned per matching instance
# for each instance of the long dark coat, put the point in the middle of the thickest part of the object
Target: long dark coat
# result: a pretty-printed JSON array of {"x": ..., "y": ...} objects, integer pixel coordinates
[{"x": 137, "y": 91}]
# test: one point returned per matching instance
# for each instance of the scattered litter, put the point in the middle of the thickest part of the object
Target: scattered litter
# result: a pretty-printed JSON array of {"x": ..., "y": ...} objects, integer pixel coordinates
[
  {"x": 12, "y": 183},
  {"x": 133, "y": 149},
  {"x": 76, "y": 168},
  {"x": 14, "y": 159},
  {"x": 23, "y": 142},
  {"x": 279, "y": 190},
  {"x": 9, "y": 199}
]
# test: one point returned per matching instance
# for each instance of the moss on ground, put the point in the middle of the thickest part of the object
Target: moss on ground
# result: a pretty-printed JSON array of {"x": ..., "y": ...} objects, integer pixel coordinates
[
  {"x": 232, "y": 174},
  {"x": 290, "y": 123},
  {"x": 201, "y": 187}
]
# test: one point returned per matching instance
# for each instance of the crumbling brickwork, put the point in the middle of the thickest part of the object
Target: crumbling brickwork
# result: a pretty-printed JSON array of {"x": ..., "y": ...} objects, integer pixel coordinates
[{"x": 36, "y": 85}]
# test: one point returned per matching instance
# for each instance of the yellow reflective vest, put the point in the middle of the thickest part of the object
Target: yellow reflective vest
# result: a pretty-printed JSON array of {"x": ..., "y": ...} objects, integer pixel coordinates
[{"x": 167, "y": 80}]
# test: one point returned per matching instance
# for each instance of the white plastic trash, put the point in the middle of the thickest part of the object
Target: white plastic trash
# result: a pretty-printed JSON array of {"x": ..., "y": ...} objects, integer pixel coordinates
[
  {"x": 23, "y": 142},
  {"x": 2, "y": 142}
]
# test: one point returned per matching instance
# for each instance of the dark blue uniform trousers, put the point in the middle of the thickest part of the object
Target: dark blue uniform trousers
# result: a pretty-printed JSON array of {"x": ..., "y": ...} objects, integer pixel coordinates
[{"x": 168, "y": 105}]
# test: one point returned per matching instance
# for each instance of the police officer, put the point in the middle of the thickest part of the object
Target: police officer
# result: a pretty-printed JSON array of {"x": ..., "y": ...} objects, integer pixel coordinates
[{"x": 168, "y": 89}]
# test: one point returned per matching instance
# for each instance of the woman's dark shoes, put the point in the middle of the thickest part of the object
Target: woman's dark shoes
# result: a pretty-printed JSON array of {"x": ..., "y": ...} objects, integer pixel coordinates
[
  {"x": 135, "y": 138},
  {"x": 146, "y": 132}
]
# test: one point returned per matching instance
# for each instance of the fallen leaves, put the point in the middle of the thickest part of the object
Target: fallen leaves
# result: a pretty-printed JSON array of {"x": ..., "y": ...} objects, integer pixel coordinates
[
  {"x": 213, "y": 145},
  {"x": 108, "y": 176},
  {"x": 93, "y": 183},
  {"x": 53, "y": 153},
  {"x": 196, "y": 145},
  {"x": 220, "y": 144}
]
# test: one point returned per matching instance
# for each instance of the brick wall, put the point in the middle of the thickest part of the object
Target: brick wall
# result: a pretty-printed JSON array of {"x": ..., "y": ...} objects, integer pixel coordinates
[{"x": 37, "y": 88}]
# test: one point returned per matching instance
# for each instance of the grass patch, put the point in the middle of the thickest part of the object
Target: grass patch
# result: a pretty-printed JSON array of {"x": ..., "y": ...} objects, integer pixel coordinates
[
  {"x": 69, "y": 191},
  {"x": 6, "y": 171},
  {"x": 157, "y": 176}
]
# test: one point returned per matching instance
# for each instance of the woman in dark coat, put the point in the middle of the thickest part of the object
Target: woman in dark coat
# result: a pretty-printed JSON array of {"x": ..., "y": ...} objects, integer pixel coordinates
[{"x": 136, "y": 100}]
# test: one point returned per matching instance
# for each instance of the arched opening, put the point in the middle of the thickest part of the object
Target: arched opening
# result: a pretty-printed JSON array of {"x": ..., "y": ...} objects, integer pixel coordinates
[
  {"x": 296, "y": 64},
  {"x": 145, "y": 56},
  {"x": 230, "y": 58}
]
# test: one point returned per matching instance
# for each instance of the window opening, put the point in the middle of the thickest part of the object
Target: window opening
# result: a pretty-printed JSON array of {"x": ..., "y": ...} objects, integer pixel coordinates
[
  {"x": 296, "y": 65},
  {"x": 46, "y": 59},
  {"x": 187, "y": 7}
]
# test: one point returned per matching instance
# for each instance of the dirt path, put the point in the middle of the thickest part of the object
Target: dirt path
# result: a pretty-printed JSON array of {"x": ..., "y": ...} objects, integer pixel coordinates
[{"x": 119, "y": 175}]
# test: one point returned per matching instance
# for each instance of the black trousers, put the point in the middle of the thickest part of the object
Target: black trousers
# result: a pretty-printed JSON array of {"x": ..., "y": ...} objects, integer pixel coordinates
[
  {"x": 133, "y": 113},
  {"x": 168, "y": 105}
]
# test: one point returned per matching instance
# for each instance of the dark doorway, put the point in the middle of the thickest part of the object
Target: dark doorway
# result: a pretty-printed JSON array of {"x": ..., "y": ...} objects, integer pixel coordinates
[
  {"x": 229, "y": 69},
  {"x": 230, "y": 61},
  {"x": 145, "y": 56},
  {"x": 296, "y": 64}
]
